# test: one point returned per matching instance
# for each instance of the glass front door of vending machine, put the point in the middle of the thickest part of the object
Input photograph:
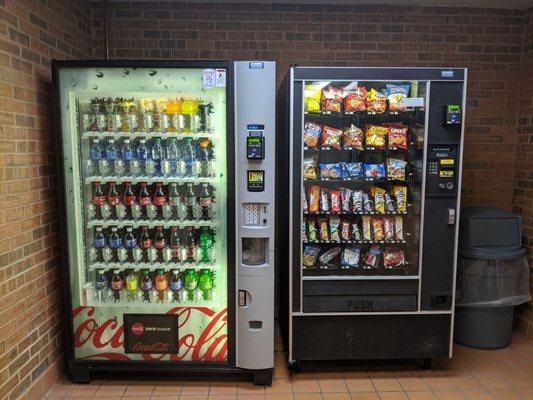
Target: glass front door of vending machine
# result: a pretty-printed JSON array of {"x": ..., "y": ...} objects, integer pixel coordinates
[{"x": 145, "y": 179}]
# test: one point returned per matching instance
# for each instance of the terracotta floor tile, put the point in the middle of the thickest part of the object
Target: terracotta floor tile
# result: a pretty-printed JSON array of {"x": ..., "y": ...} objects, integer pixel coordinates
[
  {"x": 308, "y": 396},
  {"x": 139, "y": 390},
  {"x": 465, "y": 382},
  {"x": 194, "y": 397},
  {"x": 249, "y": 388},
  {"x": 225, "y": 388},
  {"x": 332, "y": 385},
  {"x": 167, "y": 389},
  {"x": 506, "y": 394},
  {"x": 111, "y": 390},
  {"x": 251, "y": 397},
  {"x": 360, "y": 385},
  {"x": 393, "y": 396},
  {"x": 60, "y": 390},
  {"x": 306, "y": 386},
  {"x": 421, "y": 395},
  {"x": 195, "y": 388},
  {"x": 76, "y": 397},
  {"x": 449, "y": 395},
  {"x": 386, "y": 384},
  {"x": 279, "y": 396},
  {"x": 108, "y": 397},
  {"x": 413, "y": 384},
  {"x": 365, "y": 396},
  {"x": 279, "y": 386},
  {"x": 222, "y": 396},
  {"x": 336, "y": 396},
  {"x": 164, "y": 397},
  {"x": 491, "y": 381},
  {"x": 81, "y": 390},
  {"x": 440, "y": 383},
  {"x": 477, "y": 395}
]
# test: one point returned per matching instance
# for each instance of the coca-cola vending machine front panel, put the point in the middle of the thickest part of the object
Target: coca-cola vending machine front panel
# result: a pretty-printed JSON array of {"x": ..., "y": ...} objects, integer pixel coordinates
[{"x": 145, "y": 191}]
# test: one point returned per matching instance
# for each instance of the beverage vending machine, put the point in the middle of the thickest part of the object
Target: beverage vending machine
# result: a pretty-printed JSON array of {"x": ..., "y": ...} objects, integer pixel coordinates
[
  {"x": 373, "y": 158},
  {"x": 167, "y": 198}
]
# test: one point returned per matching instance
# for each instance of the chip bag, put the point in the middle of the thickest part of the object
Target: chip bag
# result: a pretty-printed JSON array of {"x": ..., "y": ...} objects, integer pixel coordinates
[
  {"x": 378, "y": 229},
  {"x": 355, "y": 99},
  {"x": 376, "y": 102},
  {"x": 373, "y": 256},
  {"x": 351, "y": 170},
  {"x": 336, "y": 201},
  {"x": 310, "y": 255},
  {"x": 312, "y": 234},
  {"x": 353, "y": 138},
  {"x": 329, "y": 255},
  {"x": 314, "y": 199},
  {"x": 379, "y": 199},
  {"x": 393, "y": 258},
  {"x": 331, "y": 137},
  {"x": 330, "y": 171},
  {"x": 334, "y": 235},
  {"x": 397, "y": 137},
  {"x": 332, "y": 99},
  {"x": 350, "y": 257},
  {"x": 396, "y": 94},
  {"x": 374, "y": 171},
  {"x": 396, "y": 169},
  {"x": 367, "y": 229},
  {"x": 375, "y": 136},
  {"x": 323, "y": 229},
  {"x": 310, "y": 170},
  {"x": 312, "y": 94},
  {"x": 312, "y": 132}
]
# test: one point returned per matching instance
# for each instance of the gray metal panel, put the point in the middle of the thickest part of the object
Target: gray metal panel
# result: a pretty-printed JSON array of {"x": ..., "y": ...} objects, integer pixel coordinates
[{"x": 255, "y": 104}]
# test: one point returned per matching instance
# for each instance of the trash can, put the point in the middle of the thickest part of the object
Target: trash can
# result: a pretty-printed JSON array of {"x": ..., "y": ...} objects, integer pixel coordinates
[{"x": 492, "y": 277}]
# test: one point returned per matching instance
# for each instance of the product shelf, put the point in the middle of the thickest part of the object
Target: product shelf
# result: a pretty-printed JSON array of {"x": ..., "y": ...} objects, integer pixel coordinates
[
  {"x": 151, "y": 223},
  {"x": 154, "y": 266},
  {"x": 151, "y": 179},
  {"x": 145, "y": 135}
]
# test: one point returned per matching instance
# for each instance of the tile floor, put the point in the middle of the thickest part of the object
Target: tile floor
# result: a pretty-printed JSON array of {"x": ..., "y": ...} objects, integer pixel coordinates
[{"x": 505, "y": 374}]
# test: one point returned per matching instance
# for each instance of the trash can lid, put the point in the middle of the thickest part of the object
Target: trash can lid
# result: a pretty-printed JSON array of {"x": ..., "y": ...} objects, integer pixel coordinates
[{"x": 490, "y": 233}]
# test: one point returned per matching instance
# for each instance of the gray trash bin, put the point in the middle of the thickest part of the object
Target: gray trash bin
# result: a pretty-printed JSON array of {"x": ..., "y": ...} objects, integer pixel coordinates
[{"x": 492, "y": 277}]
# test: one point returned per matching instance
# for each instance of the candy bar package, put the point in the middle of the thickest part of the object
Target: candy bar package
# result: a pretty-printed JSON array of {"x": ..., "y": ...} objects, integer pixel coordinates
[
  {"x": 379, "y": 199},
  {"x": 346, "y": 195},
  {"x": 351, "y": 170},
  {"x": 368, "y": 205},
  {"x": 312, "y": 132},
  {"x": 314, "y": 199},
  {"x": 378, "y": 229},
  {"x": 388, "y": 226},
  {"x": 372, "y": 257},
  {"x": 376, "y": 102},
  {"x": 331, "y": 137},
  {"x": 332, "y": 98},
  {"x": 312, "y": 94},
  {"x": 312, "y": 234},
  {"x": 397, "y": 136},
  {"x": 336, "y": 201},
  {"x": 324, "y": 200},
  {"x": 355, "y": 99},
  {"x": 323, "y": 229},
  {"x": 345, "y": 230},
  {"x": 304, "y": 202},
  {"x": 357, "y": 201},
  {"x": 327, "y": 257},
  {"x": 352, "y": 137},
  {"x": 310, "y": 168},
  {"x": 374, "y": 171},
  {"x": 350, "y": 257},
  {"x": 356, "y": 232},
  {"x": 330, "y": 171},
  {"x": 400, "y": 193},
  {"x": 393, "y": 258},
  {"x": 389, "y": 203},
  {"x": 367, "y": 229},
  {"x": 334, "y": 229},
  {"x": 375, "y": 136},
  {"x": 310, "y": 255},
  {"x": 396, "y": 169},
  {"x": 398, "y": 228},
  {"x": 396, "y": 94}
]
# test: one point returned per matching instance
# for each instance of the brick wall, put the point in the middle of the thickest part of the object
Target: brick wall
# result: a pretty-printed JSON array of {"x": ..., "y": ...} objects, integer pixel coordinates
[
  {"x": 523, "y": 193},
  {"x": 32, "y": 32},
  {"x": 487, "y": 41}
]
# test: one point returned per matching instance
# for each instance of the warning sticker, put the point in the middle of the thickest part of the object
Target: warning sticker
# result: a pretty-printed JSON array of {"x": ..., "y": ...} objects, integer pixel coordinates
[
  {"x": 220, "y": 78},
  {"x": 209, "y": 78}
]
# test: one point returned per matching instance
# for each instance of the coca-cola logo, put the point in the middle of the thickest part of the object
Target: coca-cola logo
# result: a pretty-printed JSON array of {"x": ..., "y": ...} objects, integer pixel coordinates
[
  {"x": 151, "y": 348},
  {"x": 137, "y": 329}
]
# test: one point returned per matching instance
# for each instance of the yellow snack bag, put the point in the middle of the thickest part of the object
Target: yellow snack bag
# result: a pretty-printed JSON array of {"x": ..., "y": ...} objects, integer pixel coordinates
[{"x": 312, "y": 96}]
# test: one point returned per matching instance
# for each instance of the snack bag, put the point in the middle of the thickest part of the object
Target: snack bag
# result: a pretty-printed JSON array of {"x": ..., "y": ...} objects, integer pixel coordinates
[
  {"x": 314, "y": 198},
  {"x": 376, "y": 102},
  {"x": 355, "y": 99},
  {"x": 396, "y": 94},
  {"x": 346, "y": 195},
  {"x": 324, "y": 200},
  {"x": 312, "y": 94},
  {"x": 367, "y": 230},
  {"x": 398, "y": 228},
  {"x": 373, "y": 256},
  {"x": 350, "y": 257},
  {"x": 374, "y": 171},
  {"x": 310, "y": 255},
  {"x": 368, "y": 204},
  {"x": 345, "y": 230},
  {"x": 393, "y": 258},
  {"x": 311, "y": 230},
  {"x": 331, "y": 137},
  {"x": 323, "y": 229},
  {"x": 356, "y": 232},
  {"x": 375, "y": 136},
  {"x": 396, "y": 169},
  {"x": 400, "y": 192},
  {"x": 330, "y": 171},
  {"x": 310, "y": 169},
  {"x": 379, "y": 199},
  {"x": 312, "y": 132},
  {"x": 388, "y": 226},
  {"x": 389, "y": 203},
  {"x": 332, "y": 99},
  {"x": 357, "y": 201},
  {"x": 351, "y": 170},
  {"x": 329, "y": 255},
  {"x": 334, "y": 229},
  {"x": 378, "y": 229},
  {"x": 304, "y": 202},
  {"x": 353, "y": 137},
  {"x": 336, "y": 201},
  {"x": 397, "y": 135}
]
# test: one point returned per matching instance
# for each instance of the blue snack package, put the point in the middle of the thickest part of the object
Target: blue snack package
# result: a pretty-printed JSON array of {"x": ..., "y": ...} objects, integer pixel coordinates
[
  {"x": 395, "y": 94},
  {"x": 351, "y": 170},
  {"x": 375, "y": 171}
]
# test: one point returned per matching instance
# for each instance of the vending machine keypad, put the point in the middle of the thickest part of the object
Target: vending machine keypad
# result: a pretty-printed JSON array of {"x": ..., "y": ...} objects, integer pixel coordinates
[{"x": 441, "y": 176}]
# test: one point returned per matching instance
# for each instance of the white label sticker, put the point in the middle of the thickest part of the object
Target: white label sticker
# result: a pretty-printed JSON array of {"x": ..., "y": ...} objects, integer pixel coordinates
[
  {"x": 413, "y": 102},
  {"x": 221, "y": 78},
  {"x": 209, "y": 78}
]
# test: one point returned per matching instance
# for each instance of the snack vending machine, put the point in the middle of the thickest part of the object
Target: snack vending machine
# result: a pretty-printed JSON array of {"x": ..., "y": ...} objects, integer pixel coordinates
[
  {"x": 167, "y": 177},
  {"x": 368, "y": 254}
]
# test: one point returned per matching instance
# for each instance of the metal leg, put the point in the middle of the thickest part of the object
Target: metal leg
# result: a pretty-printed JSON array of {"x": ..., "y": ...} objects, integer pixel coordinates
[
  {"x": 79, "y": 376},
  {"x": 427, "y": 364},
  {"x": 263, "y": 378},
  {"x": 295, "y": 366}
]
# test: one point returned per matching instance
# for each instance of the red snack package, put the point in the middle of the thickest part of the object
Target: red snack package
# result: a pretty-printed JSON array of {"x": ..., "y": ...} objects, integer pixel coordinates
[
  {"x": 393, "y": 258},
  {"x": 397, "y": 135},
  {"x": 331, "y": 137},
  {"x": 355, "y": 99},
  {"x": 332, "y": 99},
  {"x": 336, "y": 201}
]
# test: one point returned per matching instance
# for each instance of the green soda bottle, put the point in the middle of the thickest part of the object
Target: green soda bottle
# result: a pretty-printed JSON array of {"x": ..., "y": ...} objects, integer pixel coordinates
[
  {"x": 191, "y": 283},
  {"x": 205, "y": 282},
  {"x": 206, "y": 241}
]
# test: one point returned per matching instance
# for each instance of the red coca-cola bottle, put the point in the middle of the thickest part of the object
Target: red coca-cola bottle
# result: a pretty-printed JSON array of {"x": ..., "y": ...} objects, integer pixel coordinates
[
  {"x": 159, "y": 195},
  {"x": 145, "y": 241},
  {"x": 113, "y": 198},
  {"x": 128, "y": 198},
  {"x": 144, "y": 197},
  {"x": 159, "y": 239},
  {"x": 191, "y": 244},
  {"x": 98, "y": 198}
]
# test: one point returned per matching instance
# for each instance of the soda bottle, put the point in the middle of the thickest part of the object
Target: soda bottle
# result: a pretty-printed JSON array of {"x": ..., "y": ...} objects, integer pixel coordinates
[
  {"x": 143, "y": 153},
  {"x": 146, "y": 285},
  {"x": 128, "y": 198},
  {"x": 205, "y": 196},
  {"x": 161, "y": 284},
  {"x": 132, "y": 285},
  {"x": 130, "y": 241},
  {"x": 95, "y": 109},
  {"x": 191, "y": 244},
  {"x": 114, "y": 239},
  {"x": 188, "y": 156},
  {"x": 173, "y": 154},
  {"x": 145, "y": 240},
  {"x": 113, "y": 198},
  {"x": 98, "y": 198},
  {"x": 204, "y": 114},
  {"x": 176, "y": 284},
  {"x": 99, "y": 238},
  {"x": 96, "y": 150},
  {"x": 117, "y": 284},
  {"x": 157, "y": 154},
  {"x": 127, "y": 151},
  {"x": 159, "y": 239},
  {"x": 204, "y": 157},
  {"x": 205, "y": 283},
  {"x": 174, "y": 195},
  {"x": 175, "y": 243},
  {"x": 159, "y": 195},
  {"x": 206, "y": 242},
  {"x": 100, "y": 285},
  {"x": 111, "y": 151},
  {"x": 190, "y": 282},
  {"x": 144, "y": 197}
]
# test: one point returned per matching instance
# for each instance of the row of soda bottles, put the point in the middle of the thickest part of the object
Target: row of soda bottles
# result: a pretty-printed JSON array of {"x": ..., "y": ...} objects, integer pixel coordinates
[
  {"x": 161, "y": 287},
  {"x": 171, "y": 245},
  {"x": 153, "y": 157},
  {"x": 157, "y": 201},
  {"x": 148, "y": 115}
]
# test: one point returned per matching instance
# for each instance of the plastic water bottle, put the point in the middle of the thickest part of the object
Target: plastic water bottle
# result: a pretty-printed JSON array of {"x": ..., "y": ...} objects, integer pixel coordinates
[
  {"x": 173, "y": 154},
  {"x": 188, "y": 156},
  {"x": 157, "y": 155},
  {"x": 96, "y": 150}
]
